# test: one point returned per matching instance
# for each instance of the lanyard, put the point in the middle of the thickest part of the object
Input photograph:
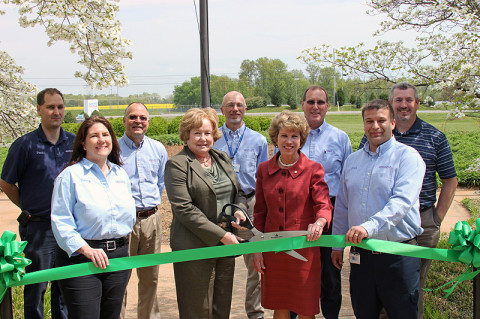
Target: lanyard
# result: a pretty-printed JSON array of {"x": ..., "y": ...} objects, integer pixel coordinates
[{"x": 232, "y": 153}]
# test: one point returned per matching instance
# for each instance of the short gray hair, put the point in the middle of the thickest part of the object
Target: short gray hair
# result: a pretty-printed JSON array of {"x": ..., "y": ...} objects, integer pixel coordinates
[{"x": 403, "y": 86}]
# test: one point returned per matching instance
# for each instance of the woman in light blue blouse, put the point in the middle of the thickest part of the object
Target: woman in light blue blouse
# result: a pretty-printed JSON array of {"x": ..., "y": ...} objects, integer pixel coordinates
[{"x": 93, "y": 213}]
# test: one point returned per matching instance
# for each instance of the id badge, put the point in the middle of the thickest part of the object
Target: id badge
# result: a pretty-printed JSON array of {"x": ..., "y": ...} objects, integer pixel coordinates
[
  {"x": 236, "y": 167},
  {"x": 354, "y": 257}
]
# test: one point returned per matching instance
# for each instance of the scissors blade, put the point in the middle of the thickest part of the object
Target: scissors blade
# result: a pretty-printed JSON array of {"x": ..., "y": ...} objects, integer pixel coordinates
[
  {"x": 280, "y": 234},
  {"x": 294, "y": 254}
]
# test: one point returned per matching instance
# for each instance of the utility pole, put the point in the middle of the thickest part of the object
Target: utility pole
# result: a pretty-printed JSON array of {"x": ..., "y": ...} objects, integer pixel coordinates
[
  {"x": 334, "y": 83},
  {"x": 204, "y": 54},
  {"x": 296, "y": 90}
]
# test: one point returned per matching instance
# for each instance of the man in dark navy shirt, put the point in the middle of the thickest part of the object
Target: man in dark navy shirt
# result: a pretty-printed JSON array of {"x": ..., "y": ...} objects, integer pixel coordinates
[
  {"x": 435, "y": 151},
  {"x": 32, "y": 164}
]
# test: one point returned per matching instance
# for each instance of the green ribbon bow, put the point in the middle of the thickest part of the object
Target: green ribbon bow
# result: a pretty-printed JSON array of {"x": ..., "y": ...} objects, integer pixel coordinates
[
  {"x": 12, "y": 264},
  {"x": 465, "y": 240}
]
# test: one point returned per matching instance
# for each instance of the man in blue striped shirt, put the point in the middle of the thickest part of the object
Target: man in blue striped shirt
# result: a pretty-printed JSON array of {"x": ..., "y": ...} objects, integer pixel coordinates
[
  {"x": 435, "y": 151},
  {"x": 378, "y": 197},
  {"x": 247, "y": 149}
]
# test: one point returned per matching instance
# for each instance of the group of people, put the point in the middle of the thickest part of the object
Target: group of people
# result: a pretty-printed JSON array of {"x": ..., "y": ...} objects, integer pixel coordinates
[{"x": 103, "y": 205}]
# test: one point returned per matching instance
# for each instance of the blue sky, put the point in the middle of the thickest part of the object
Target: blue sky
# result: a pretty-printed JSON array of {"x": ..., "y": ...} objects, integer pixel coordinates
[{"x": 165, "y": 39}]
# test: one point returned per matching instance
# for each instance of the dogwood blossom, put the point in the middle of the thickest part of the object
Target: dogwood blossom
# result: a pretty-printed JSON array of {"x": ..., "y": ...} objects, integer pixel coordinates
[
  {"x": 446, "y": 57},
  {"x": 94, "y": 34}
]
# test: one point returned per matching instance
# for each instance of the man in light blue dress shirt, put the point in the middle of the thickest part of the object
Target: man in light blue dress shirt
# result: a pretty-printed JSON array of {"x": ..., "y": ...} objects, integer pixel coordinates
[
  {"x": 144, "y": 161},
  {"x": 330, "y": 147},
  {"x": 247, "y": 149},
  {"x": 378, "y": 197}
]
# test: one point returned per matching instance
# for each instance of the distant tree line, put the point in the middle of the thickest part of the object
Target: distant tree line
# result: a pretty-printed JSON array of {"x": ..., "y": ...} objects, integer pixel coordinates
[
  {"x": 268, "y": 81},
  {"x": 112, "y": 99}
]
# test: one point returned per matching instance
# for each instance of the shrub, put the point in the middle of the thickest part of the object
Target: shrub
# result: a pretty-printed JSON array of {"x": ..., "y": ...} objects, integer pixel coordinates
[
  {"x": 174, "y": 125},
  {"x": 71, "y": 127},
  {"x": 255, "y": 102},
  {"x": 158, "y": 126},
  {"x": 117, "y": 125},
  {"x": 252, "y": 123},
  {"x": 69, "y": 117}
]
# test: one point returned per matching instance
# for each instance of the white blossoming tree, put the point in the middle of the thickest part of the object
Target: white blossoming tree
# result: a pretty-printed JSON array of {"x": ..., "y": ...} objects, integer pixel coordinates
[
  {"x": 94, "y": 34},
  {"x": 446, "y": 56}
]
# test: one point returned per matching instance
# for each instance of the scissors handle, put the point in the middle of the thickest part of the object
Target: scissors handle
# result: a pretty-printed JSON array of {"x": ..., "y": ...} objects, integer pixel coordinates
[{"x": 247, "y": 223}]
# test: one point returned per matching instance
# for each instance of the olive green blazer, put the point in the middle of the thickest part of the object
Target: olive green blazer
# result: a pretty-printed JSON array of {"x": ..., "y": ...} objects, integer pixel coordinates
[{"x": 193, "y": 200}]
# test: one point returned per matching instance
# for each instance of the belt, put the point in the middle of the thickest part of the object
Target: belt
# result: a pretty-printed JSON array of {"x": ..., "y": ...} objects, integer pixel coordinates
[
  {"x": 412, "y": 241},
  {"x": 34, "y": 218},
  {"x": 424, "y": 208},
  {"x": 146, "y": 213},
  {"x": 250, "y": 194},
  {"x": 108, "y": 244}
]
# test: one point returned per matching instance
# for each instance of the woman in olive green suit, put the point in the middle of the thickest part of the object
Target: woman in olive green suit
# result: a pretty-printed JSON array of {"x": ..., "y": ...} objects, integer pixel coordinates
[{"x": 199, "y": 181}]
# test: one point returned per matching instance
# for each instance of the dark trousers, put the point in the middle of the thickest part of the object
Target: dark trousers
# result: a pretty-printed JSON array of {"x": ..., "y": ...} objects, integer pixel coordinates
[
  {"x": 41, "y": 250},
  {"x": 384, "y": 280},
  {"x": 331, "y": 290},
  {"x": 94, "y": 296}
]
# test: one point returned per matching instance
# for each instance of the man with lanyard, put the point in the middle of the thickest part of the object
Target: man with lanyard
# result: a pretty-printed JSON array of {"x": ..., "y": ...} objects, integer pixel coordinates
[
  {"x": 330, "y": 147},
  {"x": 378, "y": 198},
  {"x": 247, "y": 149},
  {"x": 435, "y": 151},
  {"x": 144, "y": 161},
  {"x": 33, "y": 162}
]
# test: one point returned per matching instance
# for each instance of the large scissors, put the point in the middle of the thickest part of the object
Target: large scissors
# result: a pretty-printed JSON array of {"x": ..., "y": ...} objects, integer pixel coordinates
[{"x": 258, "y": 235}]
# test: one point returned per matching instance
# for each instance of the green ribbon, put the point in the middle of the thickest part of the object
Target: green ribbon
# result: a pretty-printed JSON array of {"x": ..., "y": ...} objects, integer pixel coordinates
[
  {"x": 12, "y": 264},
  {"x": 456, "y": 254},
  {"x": 466, "y": 241}
]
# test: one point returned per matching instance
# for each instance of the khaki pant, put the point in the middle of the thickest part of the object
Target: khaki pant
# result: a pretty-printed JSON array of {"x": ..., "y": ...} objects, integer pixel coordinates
[
  {"x": 146, "y": 238},
  {"x": 253, "y": 298},
  {"x": 429, "y": 238}
]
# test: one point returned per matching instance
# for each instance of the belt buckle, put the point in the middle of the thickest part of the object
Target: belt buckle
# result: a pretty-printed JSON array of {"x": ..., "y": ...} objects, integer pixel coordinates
[{"x": 111, "y": 245}]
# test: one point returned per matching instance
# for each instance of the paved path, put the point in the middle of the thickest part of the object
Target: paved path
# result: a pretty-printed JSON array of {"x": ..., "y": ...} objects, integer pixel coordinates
[{"x": 166, "y": 289}]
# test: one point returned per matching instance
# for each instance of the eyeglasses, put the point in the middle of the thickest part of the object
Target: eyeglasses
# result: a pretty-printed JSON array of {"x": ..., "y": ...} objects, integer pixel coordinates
[
  {"x": 142, "y": 118},
  {"x": 319, "y": 102},
  {"x": 231, "y": 106}
]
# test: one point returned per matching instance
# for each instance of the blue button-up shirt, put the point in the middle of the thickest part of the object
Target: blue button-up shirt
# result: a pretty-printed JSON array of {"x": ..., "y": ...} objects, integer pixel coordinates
[
  {"x": 379, "y": 191},
  {"x": 252, "y": 150},
  {"x": 34, "y": 162},
  {"x": 88, "y": 205},
  {"x": 145, "y": 166},
  {"x": 433, "y": 146},
  {"x": 330, "y": 147}
]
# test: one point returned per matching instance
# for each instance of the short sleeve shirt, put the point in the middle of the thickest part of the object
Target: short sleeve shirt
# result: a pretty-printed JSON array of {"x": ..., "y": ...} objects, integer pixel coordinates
[{"x": 34, "y": 163}]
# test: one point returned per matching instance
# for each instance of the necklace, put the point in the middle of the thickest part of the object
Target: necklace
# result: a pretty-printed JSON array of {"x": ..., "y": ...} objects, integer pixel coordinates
[
  {"x": 286, "y": 165},
  {"x": 205, "y": 162}
]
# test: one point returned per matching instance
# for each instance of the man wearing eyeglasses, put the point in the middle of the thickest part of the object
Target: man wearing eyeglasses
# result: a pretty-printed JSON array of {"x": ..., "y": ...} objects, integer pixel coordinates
[
  {"x": 247, "y": 149},
  {"x": 144, "y": 161},
  {"x": 330, "y": 147}
]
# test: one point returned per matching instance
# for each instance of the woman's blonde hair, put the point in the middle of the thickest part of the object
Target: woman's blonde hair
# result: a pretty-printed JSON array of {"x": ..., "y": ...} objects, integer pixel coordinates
[
  {"x": 291, "y": 121},
  {"x": 193, "y": 119}
]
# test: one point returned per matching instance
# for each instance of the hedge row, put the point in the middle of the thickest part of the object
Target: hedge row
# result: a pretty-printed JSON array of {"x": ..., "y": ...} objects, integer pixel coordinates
[{"x": 465, "y": 146}]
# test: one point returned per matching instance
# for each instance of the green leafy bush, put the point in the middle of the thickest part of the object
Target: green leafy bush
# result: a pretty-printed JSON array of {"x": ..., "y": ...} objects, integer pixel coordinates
[
  {"x": 174, "y": 125},
  {"x": 117, "y": 125},
  {"x": 158, "y": 126},
  {"x": 71, "y": 127},
  {"x": 255, "y": 102}
]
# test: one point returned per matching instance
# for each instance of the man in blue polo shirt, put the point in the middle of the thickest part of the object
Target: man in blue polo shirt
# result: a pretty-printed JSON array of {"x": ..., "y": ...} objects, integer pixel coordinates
[
  {"x": 435, "y": 151},
  {"x": 32, "y": 164},
  {"x": 144, "y": 161},
  {"x": 378, "y": 197},
  {"x": 330, "y": 147},
  {"x": 247, "y": 149}
]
